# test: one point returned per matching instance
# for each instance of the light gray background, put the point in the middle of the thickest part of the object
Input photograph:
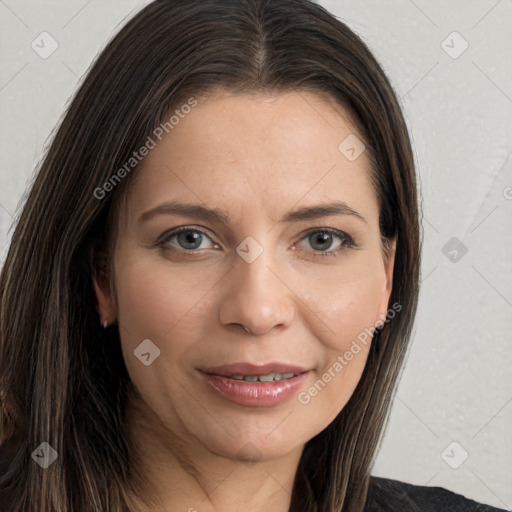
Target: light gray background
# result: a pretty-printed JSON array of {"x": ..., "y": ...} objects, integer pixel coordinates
[{"x": 456, "y": 386}]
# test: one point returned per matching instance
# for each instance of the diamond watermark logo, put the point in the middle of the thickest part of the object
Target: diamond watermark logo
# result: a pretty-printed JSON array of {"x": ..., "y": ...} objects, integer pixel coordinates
[
  {"x": 44, "y": 45},
  {"x": 454, "y": 249},
  {"x": 454, "y": 45},
  {"x": 44, "y": 455},
  {"x": 454, "y": 455},
  {"x": 147, "y": 352},
  {"x": 351, "y": 147},
  {"x": 249, "y": 249}
]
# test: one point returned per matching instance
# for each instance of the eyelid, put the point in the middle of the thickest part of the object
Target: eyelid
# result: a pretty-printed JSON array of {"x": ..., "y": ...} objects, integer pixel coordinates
[
  {"x": 348, "y": 241},
  {"x": 333, "y": 231},
  {"x": 176, "y": 231}
]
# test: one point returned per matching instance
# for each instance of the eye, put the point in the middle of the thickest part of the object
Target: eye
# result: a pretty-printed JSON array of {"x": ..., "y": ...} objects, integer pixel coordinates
[
  {"x": 323, "y": 239},
  {"x": 187, "y": 238}
]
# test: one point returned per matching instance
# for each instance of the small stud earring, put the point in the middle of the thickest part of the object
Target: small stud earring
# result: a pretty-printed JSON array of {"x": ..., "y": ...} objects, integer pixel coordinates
[{"x": 104, "y": 323}]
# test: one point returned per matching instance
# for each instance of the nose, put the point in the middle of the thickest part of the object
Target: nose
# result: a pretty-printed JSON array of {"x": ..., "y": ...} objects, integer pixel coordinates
[{"x": 256, "y": 297}]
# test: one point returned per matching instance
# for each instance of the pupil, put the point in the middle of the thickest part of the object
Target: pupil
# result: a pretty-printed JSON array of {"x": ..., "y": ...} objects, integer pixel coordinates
[
  {"x": 189, "y": 237},
  {"x": 322, "y": 238}
]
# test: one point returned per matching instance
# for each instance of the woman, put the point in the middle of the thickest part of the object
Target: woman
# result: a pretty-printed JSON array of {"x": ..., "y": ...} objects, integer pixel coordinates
[{"x": 211, "y": 288}]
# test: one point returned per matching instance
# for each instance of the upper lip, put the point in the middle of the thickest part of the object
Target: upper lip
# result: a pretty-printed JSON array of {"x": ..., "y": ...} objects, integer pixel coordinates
[{"x": 229, "y": 370}]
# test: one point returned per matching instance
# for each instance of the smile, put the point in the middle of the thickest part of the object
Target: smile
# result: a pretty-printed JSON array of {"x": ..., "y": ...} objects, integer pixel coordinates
[
  {"x": 265, "y": 378},
  {"x": 265, "y": 390}
]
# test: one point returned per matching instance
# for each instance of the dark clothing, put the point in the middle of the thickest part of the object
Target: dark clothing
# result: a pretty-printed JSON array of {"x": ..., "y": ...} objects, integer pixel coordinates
[{"x": 386, "y": 495}]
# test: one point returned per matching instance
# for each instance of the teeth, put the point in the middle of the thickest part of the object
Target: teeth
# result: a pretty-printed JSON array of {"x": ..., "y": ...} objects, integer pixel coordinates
[{"x": 264, "y": 378}]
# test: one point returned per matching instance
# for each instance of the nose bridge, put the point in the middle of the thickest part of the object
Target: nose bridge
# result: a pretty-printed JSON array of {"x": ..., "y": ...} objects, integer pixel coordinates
[
  {"x": 254, "y": 264},
  {"x": 258, "y": 298}
]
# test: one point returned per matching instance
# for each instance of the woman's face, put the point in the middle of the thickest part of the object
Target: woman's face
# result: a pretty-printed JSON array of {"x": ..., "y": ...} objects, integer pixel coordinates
[{"x": 182, "y": 300}]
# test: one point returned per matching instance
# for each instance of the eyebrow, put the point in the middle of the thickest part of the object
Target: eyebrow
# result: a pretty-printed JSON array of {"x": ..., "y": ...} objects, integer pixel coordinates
[{"x": 219, "y": 216}]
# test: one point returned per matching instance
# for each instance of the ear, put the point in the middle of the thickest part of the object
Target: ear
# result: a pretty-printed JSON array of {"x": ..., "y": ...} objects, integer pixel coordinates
[
  {"x": 105, "y": 304},
  {"x": 389, "y": 264}
]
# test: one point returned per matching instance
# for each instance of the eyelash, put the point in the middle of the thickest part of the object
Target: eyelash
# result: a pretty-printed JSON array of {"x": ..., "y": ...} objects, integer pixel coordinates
[{"x": 347, "y": 241}]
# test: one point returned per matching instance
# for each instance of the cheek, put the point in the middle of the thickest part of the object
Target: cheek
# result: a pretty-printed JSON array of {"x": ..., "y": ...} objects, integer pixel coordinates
[
  {"x": 157, "y": 306},
  {"x": 160, "y": 305},
  {"x": 344, "y": 305},
  {"x": 344, "y": 353},
  {"x": 154, "y": 302}
]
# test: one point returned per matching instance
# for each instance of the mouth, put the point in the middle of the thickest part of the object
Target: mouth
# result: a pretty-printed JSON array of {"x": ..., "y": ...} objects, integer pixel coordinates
[
  {"x": 249, "y": 372},
  {"x": 253, "y": 385},
  {"x": 265, "y": 378}
]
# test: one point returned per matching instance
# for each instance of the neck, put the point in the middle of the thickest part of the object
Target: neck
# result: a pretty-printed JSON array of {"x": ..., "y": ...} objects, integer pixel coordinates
[{"x": 176, "y": 472}]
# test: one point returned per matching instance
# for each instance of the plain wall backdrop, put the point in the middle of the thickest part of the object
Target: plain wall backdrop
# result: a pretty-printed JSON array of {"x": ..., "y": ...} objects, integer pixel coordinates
[{"x": 450, "y": 63}]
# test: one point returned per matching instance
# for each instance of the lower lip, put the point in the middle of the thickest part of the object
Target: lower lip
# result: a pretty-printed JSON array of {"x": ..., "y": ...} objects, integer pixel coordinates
[{"x": 256, "y": 394}]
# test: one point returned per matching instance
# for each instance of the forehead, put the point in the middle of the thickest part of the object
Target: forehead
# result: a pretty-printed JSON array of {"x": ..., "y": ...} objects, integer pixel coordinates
[{"x": 256, "y": 151}]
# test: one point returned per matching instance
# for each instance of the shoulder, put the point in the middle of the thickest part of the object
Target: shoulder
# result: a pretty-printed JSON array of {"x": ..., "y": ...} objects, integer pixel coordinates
[{"x": 386, "y": 495}]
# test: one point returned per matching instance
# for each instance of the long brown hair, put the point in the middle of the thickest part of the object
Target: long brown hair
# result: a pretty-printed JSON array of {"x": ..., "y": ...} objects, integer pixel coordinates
[{"x": 62, "y": 376}]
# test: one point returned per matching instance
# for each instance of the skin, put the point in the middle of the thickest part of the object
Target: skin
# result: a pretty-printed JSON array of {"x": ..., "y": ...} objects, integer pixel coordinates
[{"x": 257, "y": 157}]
